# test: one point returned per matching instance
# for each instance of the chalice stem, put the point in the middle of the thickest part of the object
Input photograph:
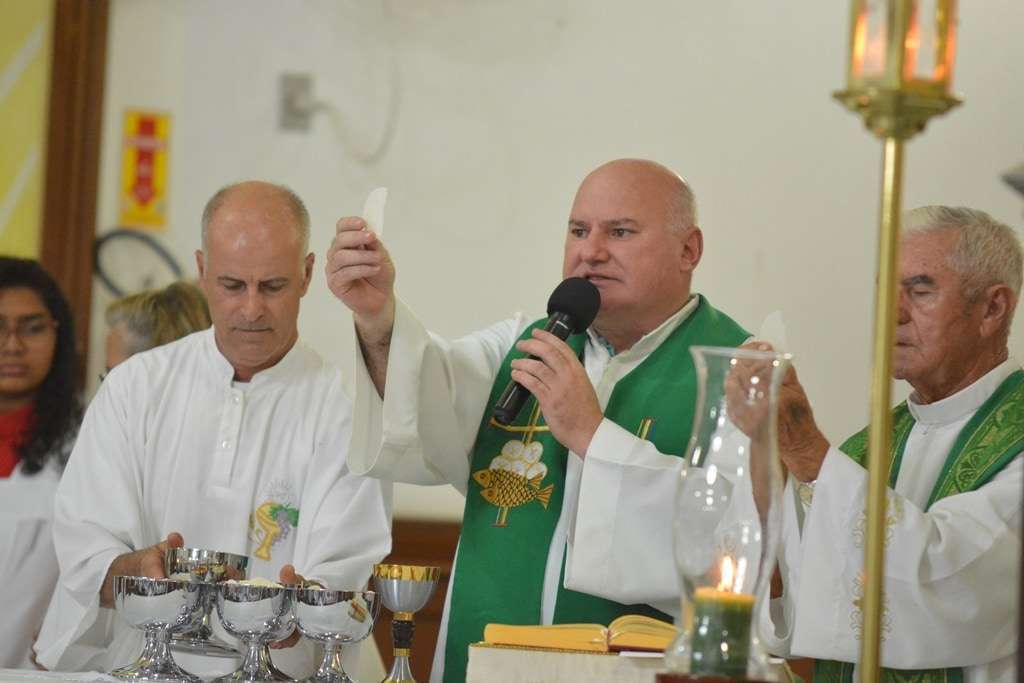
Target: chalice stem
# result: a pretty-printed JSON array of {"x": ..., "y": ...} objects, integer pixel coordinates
[
  {"x": 202, "y": 629},
  {"x": 151, "y": 651},
  {"x": 161, "y": 653},
  {"x": 256, "y": 664},
  {"x": 401, "y": 636},
  {"x": 400, "y": 671},
  {"x": 331, "y": 669}
]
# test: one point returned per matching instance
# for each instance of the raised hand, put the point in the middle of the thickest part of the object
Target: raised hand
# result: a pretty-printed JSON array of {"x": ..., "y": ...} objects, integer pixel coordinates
[
  {"x": 360, "y": 273},
  {"x": 802, "y": 446}
]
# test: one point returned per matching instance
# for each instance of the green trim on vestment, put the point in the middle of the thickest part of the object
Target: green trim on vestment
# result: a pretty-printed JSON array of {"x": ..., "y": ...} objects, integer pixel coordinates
[
  {"x": 990, "y": 440},
  {"x": 842, "y": 672},
  {"x": 997, "y": 428},
  {"x": 510, "y": 516}
]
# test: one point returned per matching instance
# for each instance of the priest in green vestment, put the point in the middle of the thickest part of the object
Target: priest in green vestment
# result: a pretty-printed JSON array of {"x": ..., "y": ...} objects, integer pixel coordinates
[
  {"x": 568, "y": 510},
  {"x": 953, "y": 519}
]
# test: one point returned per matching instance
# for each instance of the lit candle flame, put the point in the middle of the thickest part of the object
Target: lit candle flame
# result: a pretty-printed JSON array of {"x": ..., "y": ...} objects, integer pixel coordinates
[
  {"x": 911, "y": 48},
  {"x": 869, "y": 38},
  {"x": 732, "y": 574},
  {"x": 728, "y": 570}
]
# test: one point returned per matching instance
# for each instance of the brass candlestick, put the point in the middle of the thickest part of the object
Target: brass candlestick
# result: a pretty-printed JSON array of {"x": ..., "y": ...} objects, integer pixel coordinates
[{"x": 899, "y": 76}]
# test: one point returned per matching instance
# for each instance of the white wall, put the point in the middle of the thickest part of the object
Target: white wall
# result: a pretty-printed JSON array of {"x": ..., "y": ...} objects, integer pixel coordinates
[{"x": 502, "y": 107}]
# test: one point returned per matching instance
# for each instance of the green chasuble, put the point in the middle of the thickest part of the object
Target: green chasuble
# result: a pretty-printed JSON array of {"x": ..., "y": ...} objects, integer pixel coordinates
[
  {"x": 986, "y": 444},
  {"x": 517, "y": 477}
]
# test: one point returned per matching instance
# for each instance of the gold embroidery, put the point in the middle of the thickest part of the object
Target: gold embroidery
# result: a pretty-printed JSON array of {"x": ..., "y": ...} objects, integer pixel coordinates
[
  {"x": 517, "y": 429},
  {"x": 271, "y": 524},
  {"x": 514, "y": 476},
  {"x": 857, "y": 614},
  {"x": 893, "y": 516}
]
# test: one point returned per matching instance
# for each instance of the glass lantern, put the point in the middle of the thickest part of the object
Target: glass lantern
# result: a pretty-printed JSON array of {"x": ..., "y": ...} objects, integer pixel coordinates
[
  {"x": 728, "y": 514},
  {"x": 904, "y": 45},
  {"x": 900, "y": 63}
]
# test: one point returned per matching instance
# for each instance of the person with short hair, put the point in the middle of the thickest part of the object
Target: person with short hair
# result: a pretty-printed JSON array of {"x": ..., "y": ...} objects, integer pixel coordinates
[
  {"x": 955, "y": 476},
  {"x": 39, "y": 415},
  {"x": 139, "y": 322},
  {"x": 232, "y": 439},
  {"x": 579, "y": 528}
]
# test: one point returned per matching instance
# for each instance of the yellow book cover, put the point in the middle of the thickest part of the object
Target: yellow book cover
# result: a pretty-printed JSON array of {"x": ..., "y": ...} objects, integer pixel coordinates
[{"x": 629, "y": 632}]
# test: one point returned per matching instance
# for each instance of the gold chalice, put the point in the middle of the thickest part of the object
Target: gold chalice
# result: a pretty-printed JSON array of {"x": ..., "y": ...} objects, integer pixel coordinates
[{"x": 404, "y": 589}]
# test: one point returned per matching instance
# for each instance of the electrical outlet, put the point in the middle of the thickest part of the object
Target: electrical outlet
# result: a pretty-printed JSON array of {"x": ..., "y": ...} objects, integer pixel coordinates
[{"x": 296, "y": 104}]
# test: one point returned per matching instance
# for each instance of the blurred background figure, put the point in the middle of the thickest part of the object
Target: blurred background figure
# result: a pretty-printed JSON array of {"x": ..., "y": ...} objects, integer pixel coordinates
[
  {"x": 39, "y": 416},
  {"x": 153, "y": 318}
]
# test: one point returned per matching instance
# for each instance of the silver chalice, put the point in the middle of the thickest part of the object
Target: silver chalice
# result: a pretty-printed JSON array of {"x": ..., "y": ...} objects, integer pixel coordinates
[
  {"x": 404, "y": 589},
  {"x": 257, "y": 616},
  {"x": 159, "y": 607},
  {"x": 206, "y": 567},
  {"x": 334, "y": 618}
]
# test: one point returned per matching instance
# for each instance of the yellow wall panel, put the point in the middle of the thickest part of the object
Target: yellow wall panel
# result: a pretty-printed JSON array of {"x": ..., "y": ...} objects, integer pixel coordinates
[
  {"x": 20, "y": 18},
  {"x": 24, "y": 243},
  {"x": 25, "y": 35},
  {"x": 22, "y": 122}
]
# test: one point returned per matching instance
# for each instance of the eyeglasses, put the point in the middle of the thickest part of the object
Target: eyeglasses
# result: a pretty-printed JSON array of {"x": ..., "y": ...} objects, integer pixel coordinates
[{"x": 31, "y": 332}]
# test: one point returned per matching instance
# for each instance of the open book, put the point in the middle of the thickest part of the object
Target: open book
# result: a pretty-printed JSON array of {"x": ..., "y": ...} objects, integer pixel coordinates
[{"x": 628, "y": 632}]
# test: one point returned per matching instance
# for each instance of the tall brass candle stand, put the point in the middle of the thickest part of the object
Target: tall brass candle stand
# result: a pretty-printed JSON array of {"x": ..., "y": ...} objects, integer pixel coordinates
[{"x": 900, "y": 71}]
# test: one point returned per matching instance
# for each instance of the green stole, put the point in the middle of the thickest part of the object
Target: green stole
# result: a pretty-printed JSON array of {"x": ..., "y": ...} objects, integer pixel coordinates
[
  {"x": 517, "y": 477},
  {"x": 992, "y": 438}
]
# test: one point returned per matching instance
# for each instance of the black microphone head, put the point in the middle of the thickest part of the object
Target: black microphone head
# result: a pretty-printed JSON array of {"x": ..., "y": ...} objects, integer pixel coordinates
[{"x": 579, "y": 299}]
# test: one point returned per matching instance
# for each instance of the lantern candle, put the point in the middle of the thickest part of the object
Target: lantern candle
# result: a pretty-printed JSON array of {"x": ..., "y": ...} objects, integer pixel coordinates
[{"x": 721, "y": 628}]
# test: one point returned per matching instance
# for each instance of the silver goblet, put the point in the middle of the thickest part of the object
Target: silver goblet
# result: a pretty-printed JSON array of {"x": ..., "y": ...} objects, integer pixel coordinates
[
  {"x": 158, "y": 607},
  {"x": 334, "y": 618},
  {"x": 404, "y": 589},
  {"x": 257, "y": 616},
  {"x": 206, "y": 567}
]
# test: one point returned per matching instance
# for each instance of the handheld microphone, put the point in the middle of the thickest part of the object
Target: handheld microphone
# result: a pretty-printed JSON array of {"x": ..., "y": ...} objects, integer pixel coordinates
[{"x": 572, "y": 307}]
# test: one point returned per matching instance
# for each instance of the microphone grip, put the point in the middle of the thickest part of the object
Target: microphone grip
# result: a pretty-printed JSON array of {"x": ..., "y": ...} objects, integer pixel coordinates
[
  {"x": 506, "y": 410},
  {"x": 512, "y": 399}
]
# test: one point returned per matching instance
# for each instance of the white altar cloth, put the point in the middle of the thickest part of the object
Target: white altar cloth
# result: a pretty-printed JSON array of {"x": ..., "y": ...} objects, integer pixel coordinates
[
  {"x": 33, "y": 676},
  {"x": 496, "y": 664}
]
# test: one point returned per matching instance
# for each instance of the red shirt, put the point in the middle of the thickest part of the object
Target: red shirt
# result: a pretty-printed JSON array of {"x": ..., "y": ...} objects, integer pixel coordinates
[{"x": 14, "y": 428}]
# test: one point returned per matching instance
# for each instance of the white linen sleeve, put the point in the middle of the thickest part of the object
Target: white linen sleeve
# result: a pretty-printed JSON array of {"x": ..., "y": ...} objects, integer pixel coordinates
[
  {"x": 91, "y": 528},
  {"x": 345, "y": 523},
  {"x": 620, "y": 541},
  {"x": 775, "y": 620},
  {"x": 950, "y": 572},
  {"x": 435, "y": 394}
]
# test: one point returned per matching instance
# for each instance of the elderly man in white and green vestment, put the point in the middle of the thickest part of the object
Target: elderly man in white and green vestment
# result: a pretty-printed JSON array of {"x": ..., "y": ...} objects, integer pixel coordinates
[
  {"x": 953, "y": 519},
  {"x": 586, "y": 535}
]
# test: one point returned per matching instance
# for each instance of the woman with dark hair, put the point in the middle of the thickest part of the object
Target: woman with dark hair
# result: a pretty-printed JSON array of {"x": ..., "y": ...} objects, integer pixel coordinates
[{"x": 39, "y": 415}]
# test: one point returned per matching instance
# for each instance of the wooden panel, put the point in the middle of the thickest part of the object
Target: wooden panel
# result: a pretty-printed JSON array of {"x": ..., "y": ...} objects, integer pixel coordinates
[
  {"x": 72, "y": 154},
  {"x": 420, "y": 543},
  {"x": 804, "y": 668}
]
